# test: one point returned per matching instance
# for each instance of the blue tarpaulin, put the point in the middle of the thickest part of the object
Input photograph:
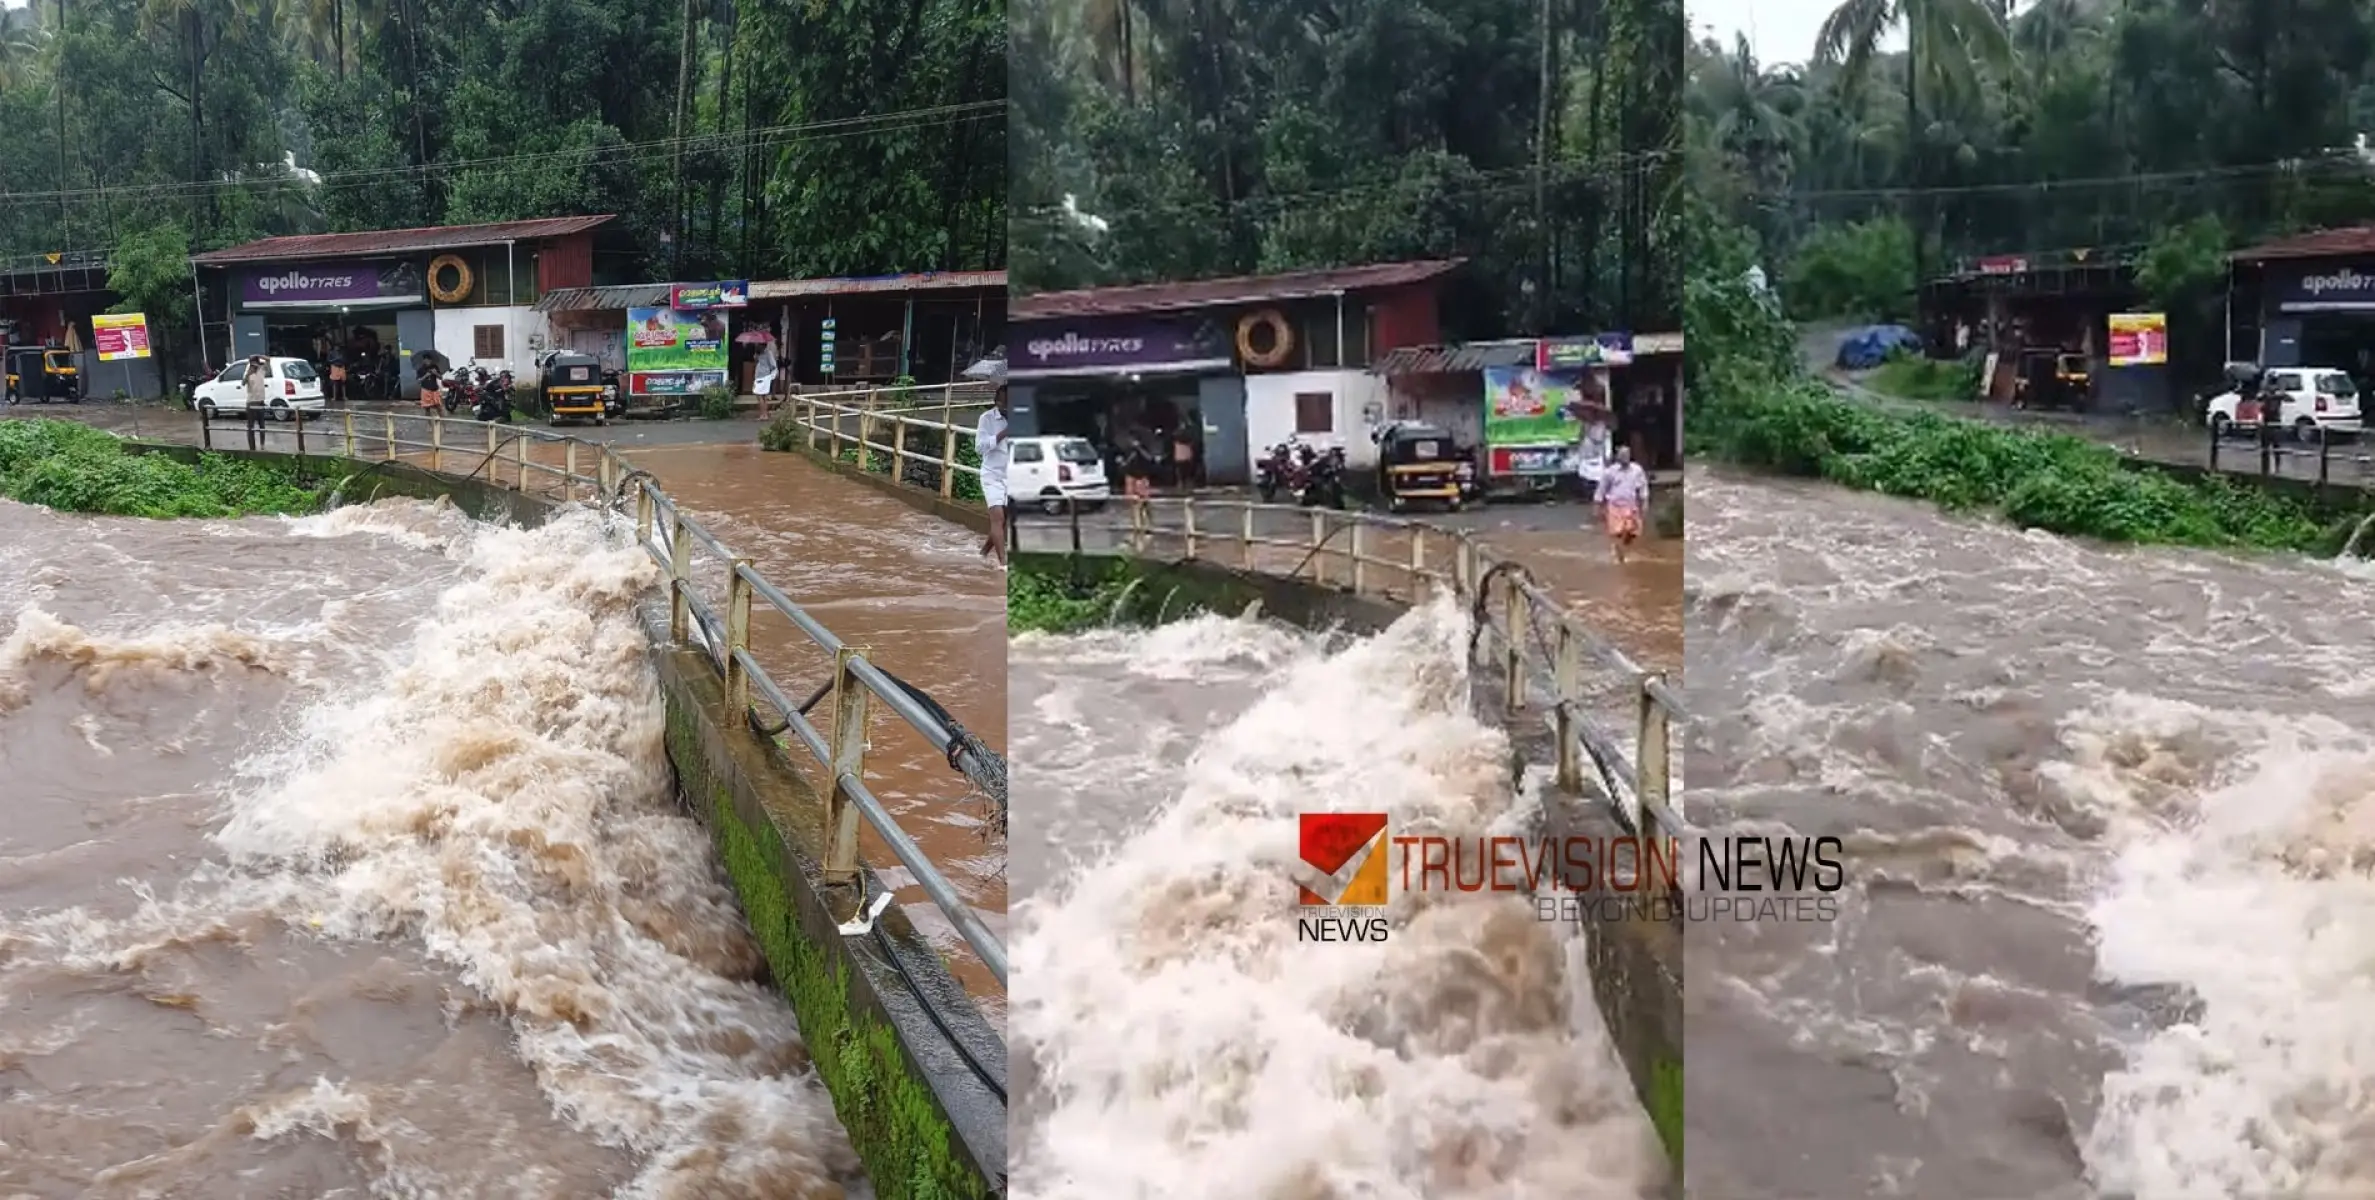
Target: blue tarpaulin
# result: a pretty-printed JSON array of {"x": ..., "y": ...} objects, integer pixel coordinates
[{"x": 1866, "y": 348}]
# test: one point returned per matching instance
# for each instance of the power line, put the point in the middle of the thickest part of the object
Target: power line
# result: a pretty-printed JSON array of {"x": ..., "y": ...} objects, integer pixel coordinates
[
  {"x": 1493, "y": 182},
  {"x": 774, "y": 135},
  {"x": 2296, "y": 166}
]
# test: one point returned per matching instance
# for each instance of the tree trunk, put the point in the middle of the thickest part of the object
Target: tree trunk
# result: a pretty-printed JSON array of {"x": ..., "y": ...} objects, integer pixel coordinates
[
  {"x": 1540, "y": 316},
  {"x": 1914, "y": 142},
  {"x": 717, "y": 161},
  {"x": 684, "y": 106},
  {"x": 338, "y": 35}
]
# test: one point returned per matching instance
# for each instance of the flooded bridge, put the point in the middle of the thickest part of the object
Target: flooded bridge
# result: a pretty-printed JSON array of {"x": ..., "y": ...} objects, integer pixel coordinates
[{"x": 343, "y": 856}]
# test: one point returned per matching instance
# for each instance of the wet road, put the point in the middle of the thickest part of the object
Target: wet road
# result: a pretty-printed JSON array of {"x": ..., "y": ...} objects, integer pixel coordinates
[{"x": 2108, "y": 815}]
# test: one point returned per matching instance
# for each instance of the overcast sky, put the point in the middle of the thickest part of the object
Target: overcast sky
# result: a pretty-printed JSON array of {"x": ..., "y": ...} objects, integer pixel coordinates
[{"x": 1781, "y": 30}]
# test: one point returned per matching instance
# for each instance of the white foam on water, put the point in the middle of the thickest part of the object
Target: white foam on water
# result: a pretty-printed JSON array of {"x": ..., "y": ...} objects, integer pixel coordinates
[
  {"x": 1192, "y": 1047},
  {"x": 503, "y": 797},
  {"x": 2244, "y": 873}
]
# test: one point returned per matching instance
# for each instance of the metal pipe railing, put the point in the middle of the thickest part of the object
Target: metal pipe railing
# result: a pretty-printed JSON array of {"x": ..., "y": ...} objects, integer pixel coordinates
[
  {"x": 669, "y": 536},
  {"x": 1535, "y": 640}
]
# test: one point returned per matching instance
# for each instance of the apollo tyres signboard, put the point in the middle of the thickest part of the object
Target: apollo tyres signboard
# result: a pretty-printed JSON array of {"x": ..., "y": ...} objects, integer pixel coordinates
[
  {"x": 2321, "y": 287},
  {"x": 330, "y": 284}
]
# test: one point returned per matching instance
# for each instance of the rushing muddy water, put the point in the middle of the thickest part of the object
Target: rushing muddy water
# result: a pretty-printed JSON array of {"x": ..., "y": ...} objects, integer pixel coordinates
[
  {"x": 339, "y": 860},
  {"x": 2110, "y": 813},
  {"x": 1174, "y": 1037},
  {"x": 917, "y": 592}
]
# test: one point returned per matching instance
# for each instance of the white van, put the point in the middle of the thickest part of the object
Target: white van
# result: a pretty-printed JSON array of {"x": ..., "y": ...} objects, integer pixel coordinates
[
  {"x": 292, "y": 388},
  {"x": 1050, "y": 471}
]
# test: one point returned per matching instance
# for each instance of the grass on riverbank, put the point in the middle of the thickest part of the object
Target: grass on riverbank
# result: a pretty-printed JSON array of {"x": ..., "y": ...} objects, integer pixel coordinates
[
  {"x": 1039, "y": 603},
  {"x": 2038, "y": 479},
  {"x": 1916, "y": 377},
  {"x": 75, "y": 468}
]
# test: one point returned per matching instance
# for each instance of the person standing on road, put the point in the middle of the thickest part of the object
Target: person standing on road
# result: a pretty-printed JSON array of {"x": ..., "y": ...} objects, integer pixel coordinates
[
  {"x": 337, "y": 378},
  {"x": 989, "y": 442},
  {"x": 256, "y": 382},
  {"x": 432, "y": 384},
  {"x": 1622, "y": 496}
]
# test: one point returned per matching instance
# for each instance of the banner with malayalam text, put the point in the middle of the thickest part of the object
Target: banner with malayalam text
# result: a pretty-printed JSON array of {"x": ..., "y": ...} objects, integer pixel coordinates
[
  {"x": 118, "y": 336},
  {"x": 2139, "y": 339},
  {"x": 675, "y": 352}
]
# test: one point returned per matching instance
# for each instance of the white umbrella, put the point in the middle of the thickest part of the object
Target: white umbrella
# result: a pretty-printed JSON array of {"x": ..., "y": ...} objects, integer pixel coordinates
[{"x": 993, "y": 367}]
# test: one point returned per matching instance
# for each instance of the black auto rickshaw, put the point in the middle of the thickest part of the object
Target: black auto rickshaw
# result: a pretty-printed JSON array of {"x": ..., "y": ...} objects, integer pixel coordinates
[
  {"x": 41, "y": 374},
  {"x": 1417, "y": 461},
  {"x": 572, "y": 388},
  {"x": 2049, "y": 378}
]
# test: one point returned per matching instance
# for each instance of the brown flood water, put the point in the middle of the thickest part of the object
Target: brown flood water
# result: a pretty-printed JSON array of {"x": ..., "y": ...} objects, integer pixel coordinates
[{"x": 339, "y": 856}]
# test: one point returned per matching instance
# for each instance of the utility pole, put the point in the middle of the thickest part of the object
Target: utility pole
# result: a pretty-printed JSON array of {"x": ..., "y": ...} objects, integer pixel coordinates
[
  {"x": 65, "y": 207},
  {"x": 1542, "y": 184}
]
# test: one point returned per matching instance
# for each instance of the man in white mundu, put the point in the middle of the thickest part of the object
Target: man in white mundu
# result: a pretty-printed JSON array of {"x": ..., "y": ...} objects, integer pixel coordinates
[{"x": 989, "y": 440}]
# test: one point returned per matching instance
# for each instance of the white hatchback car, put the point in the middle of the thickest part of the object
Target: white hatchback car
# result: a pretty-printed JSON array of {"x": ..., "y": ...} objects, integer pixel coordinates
[
  {"x": 1052, "y": 471},
  {"x": 293, "y": 388},
  {"x": 2312, "y": 402}
]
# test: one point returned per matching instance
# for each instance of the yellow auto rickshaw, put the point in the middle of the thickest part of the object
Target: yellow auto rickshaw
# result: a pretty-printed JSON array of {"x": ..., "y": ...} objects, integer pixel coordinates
[{"x": 42, "y": 374}]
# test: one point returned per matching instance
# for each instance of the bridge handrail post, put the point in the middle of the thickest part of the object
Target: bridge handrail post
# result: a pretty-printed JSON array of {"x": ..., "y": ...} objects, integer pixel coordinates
[
  {"x": 1652, "y": 779},
  {"x": 1567, "y": 682},
  {"x": 850, "y": 713},
  {"x": 737, "y": 635},
  {"x": 1138, "y": 527},
  {"x": 1245, "y": 536},
  {"x": 349, "y": 421},
  {"x": 1318, "y": 537},
  {"x": 520, "y": 446},
  {"x": 1515, "y": 616},
  {"x": 680, "y": 567},
  {"x": 569, "y": 477},
  {"x": 644, "y": 515},
  {"x": 389, "y": 446},
  {"x": 948, "y": 443},
  {"x": 1360, "y": 556},
  {"x": 1418, "y": 562},
  {"x": 297, "y": 418},
  {"x": 1187, "y": 525}
]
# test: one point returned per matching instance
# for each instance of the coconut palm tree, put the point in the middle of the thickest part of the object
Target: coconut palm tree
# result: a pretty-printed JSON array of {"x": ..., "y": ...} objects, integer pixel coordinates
[{"x": 1951, "y": 46}]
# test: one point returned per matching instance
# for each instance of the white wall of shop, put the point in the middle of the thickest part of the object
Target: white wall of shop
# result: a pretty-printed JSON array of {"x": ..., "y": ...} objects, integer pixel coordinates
[
  {"x": 524, "y": 330},
  {"x": 1361, "y": 402}
]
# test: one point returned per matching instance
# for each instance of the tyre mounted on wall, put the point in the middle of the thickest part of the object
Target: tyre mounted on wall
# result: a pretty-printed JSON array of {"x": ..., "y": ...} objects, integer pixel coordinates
[
  {"x": 439, "y": 268},
  {"x": 1265, "y": 339}
]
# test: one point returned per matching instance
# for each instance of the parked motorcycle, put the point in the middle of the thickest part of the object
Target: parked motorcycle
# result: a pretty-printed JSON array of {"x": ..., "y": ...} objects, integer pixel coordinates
[
  {"x": 460, "y": 393},
  {"x": 1276, "y": 472},
  {"x": 494, "y": 397},
  {"x": 189, "y": 390},
  {"x": 1323, "y": 478}
]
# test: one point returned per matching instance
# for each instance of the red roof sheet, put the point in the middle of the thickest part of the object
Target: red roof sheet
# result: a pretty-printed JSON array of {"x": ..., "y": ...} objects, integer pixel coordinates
[
  {"x": 2324, "y": 243},
  {"x": 1224, "y": 293},
  {"x": 924, "y": 281},
  {"x": 398, "y": 241}
]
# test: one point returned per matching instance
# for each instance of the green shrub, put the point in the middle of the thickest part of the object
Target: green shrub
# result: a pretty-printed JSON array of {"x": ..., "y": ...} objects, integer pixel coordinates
[
  {"x": 74, "y": 468},
  {"x": 1914, "y": 376},
  {"x": 717, "y": 402}
]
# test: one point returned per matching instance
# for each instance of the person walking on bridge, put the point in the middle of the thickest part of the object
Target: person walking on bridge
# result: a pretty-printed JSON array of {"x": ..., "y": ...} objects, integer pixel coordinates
[
  {"x": 1622, "y": 496},
  {"x": 989, "y": 441}
]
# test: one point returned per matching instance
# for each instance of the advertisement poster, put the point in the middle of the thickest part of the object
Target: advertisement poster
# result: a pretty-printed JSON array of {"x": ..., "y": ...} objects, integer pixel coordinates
[
  {"x": 2139, "y": 339},
  {"x": 1529, "y": 423},
  {"x": 1567, "y": 354},
  {"x": 118, "y": 336},
  {"x": 729, "y": 293},
  {"x": 675, "y": 352}
]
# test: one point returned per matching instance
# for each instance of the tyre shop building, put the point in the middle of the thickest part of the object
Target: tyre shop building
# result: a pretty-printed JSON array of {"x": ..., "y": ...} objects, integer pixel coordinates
[
  {"x": 2306, "y": 301},
  {"x": 466, "y": 291},
  {"x": 1234, "y": 365}
]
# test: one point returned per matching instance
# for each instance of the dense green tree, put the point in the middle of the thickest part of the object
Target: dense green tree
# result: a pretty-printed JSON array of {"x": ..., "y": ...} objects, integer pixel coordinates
[
  {"x": 2074, "y": 123},
  {"x": 765, "y": 137},
  {"x": 1174, "y": 139}
]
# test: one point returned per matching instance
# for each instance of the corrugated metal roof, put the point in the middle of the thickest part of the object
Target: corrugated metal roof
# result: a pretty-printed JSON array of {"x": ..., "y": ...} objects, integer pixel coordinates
[
  {"x": 1224, "y": 293},
  {"x": 2324, "y": 243},
  {"x": 922, "y": 281},
  {"x": 640, "y": 295},
  {"x": 397, "y": 241},
  {"x": 1448, "y": 360},
  {"x": 647, "y": 295}
]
